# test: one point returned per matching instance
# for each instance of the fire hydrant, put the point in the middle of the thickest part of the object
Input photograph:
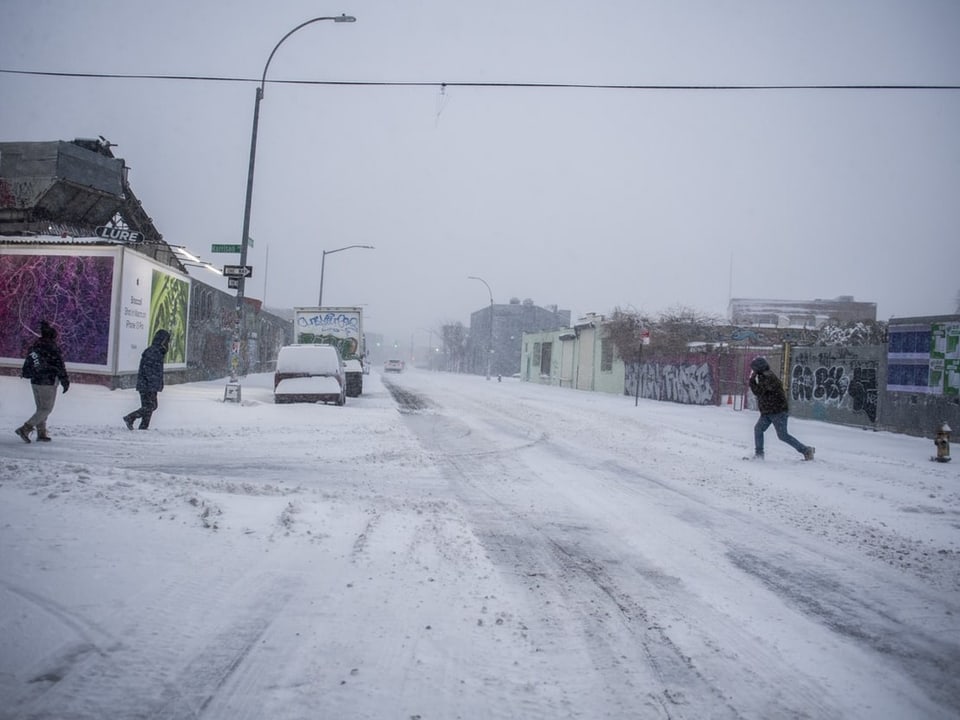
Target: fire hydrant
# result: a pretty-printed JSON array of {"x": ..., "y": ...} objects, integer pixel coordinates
[{"x": 942, "y": 441}]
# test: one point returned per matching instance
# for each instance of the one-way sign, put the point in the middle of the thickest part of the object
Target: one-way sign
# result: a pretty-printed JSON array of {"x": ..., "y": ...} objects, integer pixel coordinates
[{"x": 243, "y": 271}]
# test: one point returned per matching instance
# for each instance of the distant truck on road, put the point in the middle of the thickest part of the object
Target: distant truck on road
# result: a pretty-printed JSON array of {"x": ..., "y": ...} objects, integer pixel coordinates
[{"x": 339, "y": 326}]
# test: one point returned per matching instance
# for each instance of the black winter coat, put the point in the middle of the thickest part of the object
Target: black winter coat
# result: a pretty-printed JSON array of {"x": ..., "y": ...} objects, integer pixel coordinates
[
  {"x": 769, "y": 391},
  {"x": 44, "y": 363},
  {"x": 150, "y": 374}
]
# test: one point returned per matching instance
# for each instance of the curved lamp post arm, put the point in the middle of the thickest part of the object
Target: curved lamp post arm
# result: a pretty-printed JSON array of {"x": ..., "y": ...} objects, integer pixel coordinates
[
  {"x": 489, "y": 291},
  {"x": 323, "y": 264},
  {"x": 335, "y": 18}
]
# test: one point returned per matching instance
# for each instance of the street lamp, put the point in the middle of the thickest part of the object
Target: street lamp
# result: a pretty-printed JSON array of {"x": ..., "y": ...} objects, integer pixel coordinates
[
  {"x": 323, "y": 262},
  {"x": 490, "y": 341},
  {"x": 233, "y": 387}
]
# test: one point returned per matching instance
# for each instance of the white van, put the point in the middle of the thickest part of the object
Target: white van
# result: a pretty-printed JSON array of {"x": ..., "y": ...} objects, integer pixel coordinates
[{"x": 309, "y": 373}]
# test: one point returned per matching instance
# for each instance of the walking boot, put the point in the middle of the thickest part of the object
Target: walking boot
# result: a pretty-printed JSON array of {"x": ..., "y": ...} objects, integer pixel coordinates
[
  {"x": 24, "y": 432},
  {"x": 42, "y": 434},
  {"x": 128, "y": 421}
]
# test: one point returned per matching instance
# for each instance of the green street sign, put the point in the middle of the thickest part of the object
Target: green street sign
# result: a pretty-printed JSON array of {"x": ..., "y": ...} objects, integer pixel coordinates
[{"x": 225, "y": 248}]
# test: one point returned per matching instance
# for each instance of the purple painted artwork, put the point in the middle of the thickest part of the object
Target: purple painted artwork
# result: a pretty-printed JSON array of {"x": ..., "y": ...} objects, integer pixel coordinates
[{"x": 71, "y": 292}]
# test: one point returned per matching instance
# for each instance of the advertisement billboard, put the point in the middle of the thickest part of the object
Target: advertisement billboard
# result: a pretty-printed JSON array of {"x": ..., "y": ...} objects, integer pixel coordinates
[
  {"x": 71, "y": 289},
  {"x": 924, "y": 358},
  {"x": 151, "y": 298},
  {"x": 106, "y": 303}
]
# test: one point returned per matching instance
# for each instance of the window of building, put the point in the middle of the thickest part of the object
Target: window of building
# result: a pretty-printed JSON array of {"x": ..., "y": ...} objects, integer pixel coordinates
[
  {"x": 908, "y": 376},
  {"x": 606, "y": 355},
  {"x": 546, "y": 351},
  {"x": 909, "y": 343}
]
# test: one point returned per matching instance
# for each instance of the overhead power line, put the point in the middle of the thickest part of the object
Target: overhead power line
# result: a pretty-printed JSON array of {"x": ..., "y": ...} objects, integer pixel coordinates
[{"x": 448, "y": 84}]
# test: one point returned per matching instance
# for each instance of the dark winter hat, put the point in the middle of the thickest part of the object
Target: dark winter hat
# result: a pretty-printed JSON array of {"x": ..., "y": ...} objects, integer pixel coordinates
[
  {"x": 47, "y": 330},
  {"x": 759, "y": 364}
]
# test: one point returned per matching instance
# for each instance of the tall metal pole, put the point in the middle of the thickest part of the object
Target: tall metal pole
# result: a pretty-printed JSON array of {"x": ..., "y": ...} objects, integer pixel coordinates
[
  {"x": 238, "y": 324},
  {"x": 323, "y": 263},
  {"x": 636, "y": 398},
  {"x": 232, "y": 391},
  {"x": 643, "y": 335},
  {"x": 490, "y": 340}
]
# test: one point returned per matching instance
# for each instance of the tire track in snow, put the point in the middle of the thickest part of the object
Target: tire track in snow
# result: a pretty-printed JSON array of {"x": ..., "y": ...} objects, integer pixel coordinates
[
  {"x": 931, "y": 661},
  {"x": 408, "y": 401},
  {"x": 202, "y": 680},
  {"x": 630, "y": 649},
  {"x": 92, "y": 642},
  {"x": 671, "y": 684},
  {"x": 177, "y": 682},
  {"x": 821, "y": 588}
]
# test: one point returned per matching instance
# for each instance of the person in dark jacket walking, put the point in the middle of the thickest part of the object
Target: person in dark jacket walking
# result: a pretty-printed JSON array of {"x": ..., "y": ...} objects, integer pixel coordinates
[
  {"x": 44, "y": 368},
  {"x": 774, "y": 410},
  {"x": 149, "y": 380}
]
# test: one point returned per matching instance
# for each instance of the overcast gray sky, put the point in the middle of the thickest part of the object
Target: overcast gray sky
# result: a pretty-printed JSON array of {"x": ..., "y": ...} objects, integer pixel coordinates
[{"x": 585, "y": 198}]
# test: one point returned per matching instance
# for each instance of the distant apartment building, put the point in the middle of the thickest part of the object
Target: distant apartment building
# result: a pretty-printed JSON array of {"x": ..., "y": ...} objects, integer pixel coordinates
[
  {"x": 807, "y": 314},
  {"x": 499, "y": 347}
]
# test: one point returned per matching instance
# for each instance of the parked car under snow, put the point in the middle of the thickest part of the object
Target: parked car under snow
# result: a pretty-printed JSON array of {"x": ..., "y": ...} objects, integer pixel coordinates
[{"x": 309, "y": 373}]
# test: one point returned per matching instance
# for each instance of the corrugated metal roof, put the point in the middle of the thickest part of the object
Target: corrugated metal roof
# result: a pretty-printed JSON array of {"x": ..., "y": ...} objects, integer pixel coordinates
[{"x": 53, "y": 240}]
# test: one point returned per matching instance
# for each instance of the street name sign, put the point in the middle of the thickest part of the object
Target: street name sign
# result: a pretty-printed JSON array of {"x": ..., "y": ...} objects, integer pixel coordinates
[{"x": 224, "y": 248}]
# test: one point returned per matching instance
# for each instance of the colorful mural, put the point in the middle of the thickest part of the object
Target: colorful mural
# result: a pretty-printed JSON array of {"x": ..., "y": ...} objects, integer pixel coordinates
[
  {"x": 72, "y": 292},
  {"x": 169, "y": 300}
]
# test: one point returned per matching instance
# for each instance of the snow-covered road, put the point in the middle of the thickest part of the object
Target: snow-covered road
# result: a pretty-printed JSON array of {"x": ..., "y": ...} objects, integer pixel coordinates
[{"x": 451, "y": 547}]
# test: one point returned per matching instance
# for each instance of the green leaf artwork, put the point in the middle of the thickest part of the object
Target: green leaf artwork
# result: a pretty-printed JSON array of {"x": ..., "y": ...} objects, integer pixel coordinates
[{"x": 169, "y": 298}]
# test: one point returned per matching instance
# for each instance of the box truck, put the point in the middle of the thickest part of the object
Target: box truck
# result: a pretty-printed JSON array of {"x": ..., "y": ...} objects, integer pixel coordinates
[{"x": 339, "y": 326}]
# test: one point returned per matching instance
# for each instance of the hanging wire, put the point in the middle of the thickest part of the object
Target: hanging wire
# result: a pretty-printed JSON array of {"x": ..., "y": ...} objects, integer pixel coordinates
[
  {"x": 441, "y": 103},
  {"x": 444, "y": 85}
]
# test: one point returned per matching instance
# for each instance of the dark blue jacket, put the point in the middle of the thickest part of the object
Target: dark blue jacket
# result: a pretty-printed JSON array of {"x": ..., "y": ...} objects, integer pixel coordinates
[{"x": 150, "y": 375}]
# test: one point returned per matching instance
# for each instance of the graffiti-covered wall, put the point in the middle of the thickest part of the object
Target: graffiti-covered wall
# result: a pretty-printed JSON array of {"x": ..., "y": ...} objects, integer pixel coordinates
[
  {"x": 911, "y": 385},
  {"x": 691, "y": 380},
  {"x": 836, "y": 384}
]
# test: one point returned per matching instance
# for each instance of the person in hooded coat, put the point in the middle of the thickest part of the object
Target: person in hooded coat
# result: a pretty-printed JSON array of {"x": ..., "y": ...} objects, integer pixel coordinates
[
  {"x": 772, "y": 402},
  {"x": 44, "y": 368},
  {"x": 149, "y": 380}
]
